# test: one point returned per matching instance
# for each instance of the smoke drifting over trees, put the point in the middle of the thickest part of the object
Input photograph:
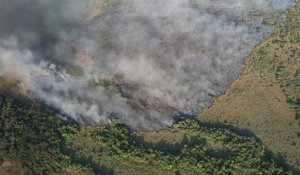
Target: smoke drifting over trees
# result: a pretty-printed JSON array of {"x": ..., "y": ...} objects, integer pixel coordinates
[{"x": 143, "y": 62}]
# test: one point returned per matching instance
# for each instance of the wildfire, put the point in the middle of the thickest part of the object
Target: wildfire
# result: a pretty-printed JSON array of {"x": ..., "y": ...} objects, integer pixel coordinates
[{"x": 26, "y": 92}]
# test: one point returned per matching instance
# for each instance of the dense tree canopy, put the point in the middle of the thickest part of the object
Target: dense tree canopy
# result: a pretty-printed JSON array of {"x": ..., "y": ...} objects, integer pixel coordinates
[{"x": 44, "y": 144}]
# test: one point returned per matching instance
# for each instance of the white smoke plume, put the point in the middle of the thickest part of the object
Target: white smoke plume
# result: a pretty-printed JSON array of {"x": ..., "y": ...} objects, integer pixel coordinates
[{"x": 144, "y": 62}]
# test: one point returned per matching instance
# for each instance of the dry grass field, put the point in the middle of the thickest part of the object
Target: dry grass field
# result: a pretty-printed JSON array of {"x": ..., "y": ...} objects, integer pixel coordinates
[{"x": 258, "y": 100}]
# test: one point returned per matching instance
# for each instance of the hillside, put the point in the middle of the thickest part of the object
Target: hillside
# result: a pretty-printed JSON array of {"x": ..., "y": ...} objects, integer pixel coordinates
[
  {"x": 33, "y": 138},
  {"x": 254, "y": 128},
  {"x": 265, "y": 98}
]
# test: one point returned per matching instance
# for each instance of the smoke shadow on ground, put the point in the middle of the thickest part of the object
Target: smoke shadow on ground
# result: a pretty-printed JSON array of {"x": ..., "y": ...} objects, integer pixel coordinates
[
  {"x": 89, "y": 162},
  {"x": 165, "y": 146},
  {"x": 174, "y": 148},
  {"x": 64, "y": 149},
  {"x": 279, "y": 158},
  {"x": 171, "y": 148}
]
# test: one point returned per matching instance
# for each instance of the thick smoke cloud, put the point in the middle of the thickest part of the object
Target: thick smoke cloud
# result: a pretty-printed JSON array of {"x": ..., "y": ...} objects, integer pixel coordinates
[{"x": 144, "y": 62}]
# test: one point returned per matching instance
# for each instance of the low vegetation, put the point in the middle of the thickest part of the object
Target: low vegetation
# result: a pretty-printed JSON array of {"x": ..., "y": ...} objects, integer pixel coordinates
[
  {"x": 32, "y": 136},
  {"x": 44, "y": 144},
  {"x": 265, "y": 99}
]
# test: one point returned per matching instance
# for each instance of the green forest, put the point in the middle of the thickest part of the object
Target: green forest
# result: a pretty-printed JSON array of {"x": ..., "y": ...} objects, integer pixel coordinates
[{"x": 43, "y": 144}]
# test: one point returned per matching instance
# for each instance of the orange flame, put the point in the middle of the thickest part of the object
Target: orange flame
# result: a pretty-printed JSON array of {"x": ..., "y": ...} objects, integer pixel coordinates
[{"x": 26, "y": 92}]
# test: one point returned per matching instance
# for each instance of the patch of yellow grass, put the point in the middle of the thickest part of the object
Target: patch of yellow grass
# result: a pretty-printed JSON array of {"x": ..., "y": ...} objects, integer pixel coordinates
[{"x": 257, "y": 102}]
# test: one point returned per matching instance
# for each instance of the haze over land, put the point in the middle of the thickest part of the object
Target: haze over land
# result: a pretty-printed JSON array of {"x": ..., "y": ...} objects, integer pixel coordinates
[{"x": 139, "y": 61}]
